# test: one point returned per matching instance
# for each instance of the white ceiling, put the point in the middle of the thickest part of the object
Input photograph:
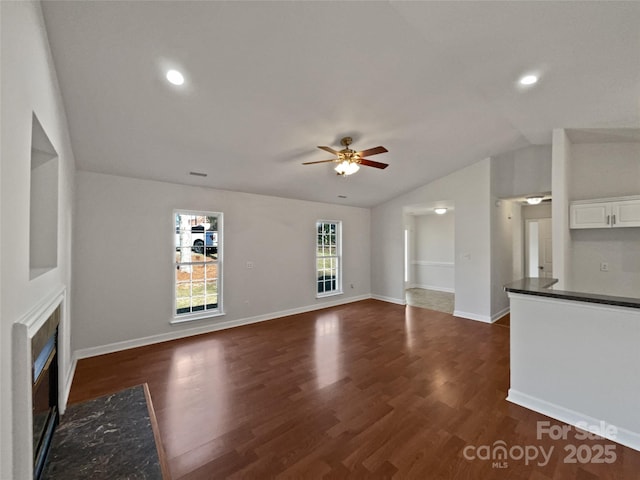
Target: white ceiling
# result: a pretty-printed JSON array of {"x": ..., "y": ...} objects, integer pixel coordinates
[{"x": 267, "y": 82}]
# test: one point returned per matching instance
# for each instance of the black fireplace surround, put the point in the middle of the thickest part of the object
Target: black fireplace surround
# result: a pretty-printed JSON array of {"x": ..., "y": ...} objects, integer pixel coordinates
[{"x": 44, "y": 348}]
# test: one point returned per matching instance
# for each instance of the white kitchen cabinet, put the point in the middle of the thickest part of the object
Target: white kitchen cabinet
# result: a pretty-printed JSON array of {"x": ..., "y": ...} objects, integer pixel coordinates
[
  {"x": 590, "y": 215},
  {"x": 626, "y": 213},
  {"x": 605, "y": 213}
]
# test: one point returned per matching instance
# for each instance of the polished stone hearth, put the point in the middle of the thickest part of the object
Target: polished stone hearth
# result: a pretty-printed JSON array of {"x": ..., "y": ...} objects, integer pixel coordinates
[{"x": 110, "y": 437}]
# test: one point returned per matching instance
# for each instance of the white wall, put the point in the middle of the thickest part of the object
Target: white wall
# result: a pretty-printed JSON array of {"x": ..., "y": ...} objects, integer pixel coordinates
[
  {"x": 561, "y": 172},
  {"x": 469, "y": 190},
  {"x": 123, "y": 257},
  {"x": 28, "y": 85},
  {"x": 513, "y": 174},
  {"x": 601, "y": 170},
  {"x": 434, "y": 263},
  {"x": 502, "y": 228},
  {"x": 522, "y": 172},
  {"x": 604, "y": 170},
  {"x": 5, "y": 358},
  {"x": 620, "y": 248},
  {"x": 534, "y": 212},
  {"x": 517, "y": 240}
]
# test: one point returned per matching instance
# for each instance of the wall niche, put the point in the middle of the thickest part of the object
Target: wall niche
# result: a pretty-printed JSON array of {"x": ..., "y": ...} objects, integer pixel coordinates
[{"x": 43, "y": 206}]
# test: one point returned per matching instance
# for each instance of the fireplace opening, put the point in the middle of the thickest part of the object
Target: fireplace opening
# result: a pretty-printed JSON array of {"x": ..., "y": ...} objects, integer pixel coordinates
[{"x": 45, "y": 392}]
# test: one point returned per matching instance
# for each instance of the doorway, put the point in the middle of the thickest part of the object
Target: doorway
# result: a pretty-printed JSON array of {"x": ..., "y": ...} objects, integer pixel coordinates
[
  {"x": 429, "y": 258},
  {"x": 538, "y": 251}
]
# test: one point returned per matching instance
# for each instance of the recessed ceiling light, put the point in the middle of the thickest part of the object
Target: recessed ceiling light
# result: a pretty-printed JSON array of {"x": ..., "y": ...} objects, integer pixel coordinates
[
  {"x": 198, "y": 174},
  {"x": 534, "y": 199},
  {"x": 342, "y": 196},
  {"x": 440, "y": 210},
  {"x": 528, "y": 80},
  {"x": 175, "y": 77}
]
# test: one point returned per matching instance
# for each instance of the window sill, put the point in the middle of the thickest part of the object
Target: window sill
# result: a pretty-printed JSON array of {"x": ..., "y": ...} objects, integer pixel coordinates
[
  {"x": 329, "y": 294},
  {"x": 195, "y": 317}
]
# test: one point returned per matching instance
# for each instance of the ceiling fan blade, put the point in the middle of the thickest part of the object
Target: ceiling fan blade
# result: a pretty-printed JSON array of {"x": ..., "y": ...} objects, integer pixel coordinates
[
  {"x": 320, "y": 161},
  {"x": 371, "y": 163},
  {"x": 372, "y": 151},
  {"x": 328, "y": 149}
]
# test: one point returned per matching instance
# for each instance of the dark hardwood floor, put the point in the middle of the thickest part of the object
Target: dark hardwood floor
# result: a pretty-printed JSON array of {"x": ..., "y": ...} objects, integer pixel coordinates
[{"x": 366, "y": 390}]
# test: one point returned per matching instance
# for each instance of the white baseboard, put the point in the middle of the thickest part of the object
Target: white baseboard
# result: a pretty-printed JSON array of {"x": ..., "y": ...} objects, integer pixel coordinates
[
  {"x": 623, "y": 437},
  {"x": 433, "y": 287},
  {"x": 164, "y": 337},
  {"x": 472, "y": 316},
  {"x": 66, "y": 388},
  {"x": 497, "y": 316},
  {"x": 399, "y": 301}
]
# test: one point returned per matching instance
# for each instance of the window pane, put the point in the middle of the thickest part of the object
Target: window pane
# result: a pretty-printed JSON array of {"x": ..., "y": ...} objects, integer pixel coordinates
[
  {"x": 197, "y": 288},
  {"x": 212, "y": 301},
  {"x": 327, "y": 256},
  {"x": 183, "y": 273},
  {"x": 197, "y": 248},
  {"x": 211, "y": 287},
  {"x": 197, "y": 303},
  {"x": 184, "y": 255},
  {"x": 211, "y": 271},
  {"x": 183, "y": 290},
  {"x": 183, "y": 294},
  {"x": 184, "y": 238},
  {"x": 211, "y": 281}
]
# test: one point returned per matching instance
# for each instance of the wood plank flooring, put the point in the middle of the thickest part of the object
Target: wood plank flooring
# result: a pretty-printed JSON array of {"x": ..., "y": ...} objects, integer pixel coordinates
[{"x": 365, "y": 390}]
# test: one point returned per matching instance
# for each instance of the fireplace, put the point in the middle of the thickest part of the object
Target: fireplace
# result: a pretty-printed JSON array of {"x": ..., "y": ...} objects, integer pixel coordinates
[
  {"x": 40, "y": 370},
  {"x": 44, "y": 349}
]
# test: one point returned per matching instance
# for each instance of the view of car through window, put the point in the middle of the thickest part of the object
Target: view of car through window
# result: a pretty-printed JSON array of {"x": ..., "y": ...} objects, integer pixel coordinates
[{"x": 201, "y": 236}]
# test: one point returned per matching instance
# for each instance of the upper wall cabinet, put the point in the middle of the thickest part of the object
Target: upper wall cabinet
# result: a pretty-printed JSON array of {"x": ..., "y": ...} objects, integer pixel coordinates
[{"x": 606, "y": 213}]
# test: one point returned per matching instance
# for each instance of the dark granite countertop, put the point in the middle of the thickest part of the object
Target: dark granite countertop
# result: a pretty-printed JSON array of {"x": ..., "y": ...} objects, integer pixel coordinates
[{"x": 540, "y": 287}]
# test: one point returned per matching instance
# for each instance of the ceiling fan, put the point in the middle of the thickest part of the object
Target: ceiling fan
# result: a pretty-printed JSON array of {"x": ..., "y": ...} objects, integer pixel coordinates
[{"x": 349, "y": 161}]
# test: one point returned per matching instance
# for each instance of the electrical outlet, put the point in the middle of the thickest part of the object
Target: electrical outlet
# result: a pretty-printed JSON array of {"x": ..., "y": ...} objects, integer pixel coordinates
[
  {"x": 352, "y": 285},
  {"x": 604, "y": 267},
  {"x": 249, "y": 264}
]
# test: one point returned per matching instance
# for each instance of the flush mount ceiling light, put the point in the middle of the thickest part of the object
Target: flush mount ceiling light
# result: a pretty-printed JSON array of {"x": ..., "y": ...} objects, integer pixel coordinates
[
  {"x": 440, "y": 210},
  {"x": 528, "y": 80},
  {"x": 175, "y": 77},
  {"x": 534, "y": 199}
]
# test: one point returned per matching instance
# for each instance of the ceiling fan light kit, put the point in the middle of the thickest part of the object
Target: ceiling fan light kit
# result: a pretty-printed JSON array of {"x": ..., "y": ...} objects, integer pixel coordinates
[
  {"x": 349, "y": 160},
  {"x": 347, "y": 168}
]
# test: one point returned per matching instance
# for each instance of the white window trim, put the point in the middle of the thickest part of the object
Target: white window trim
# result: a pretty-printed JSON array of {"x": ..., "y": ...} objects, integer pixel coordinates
[
  {"x": 200, "y": 315},
  {"x": 338, "y": 290}
]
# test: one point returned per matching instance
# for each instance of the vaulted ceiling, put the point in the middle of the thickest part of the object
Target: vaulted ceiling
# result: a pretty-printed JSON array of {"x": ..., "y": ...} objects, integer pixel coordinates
[{"x": 266, "y": 82}]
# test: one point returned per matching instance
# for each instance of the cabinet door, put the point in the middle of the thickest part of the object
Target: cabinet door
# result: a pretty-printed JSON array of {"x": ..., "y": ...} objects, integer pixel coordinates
[
  {"x": 626, "y": 213},
  {"x": 590, "y": 215}
]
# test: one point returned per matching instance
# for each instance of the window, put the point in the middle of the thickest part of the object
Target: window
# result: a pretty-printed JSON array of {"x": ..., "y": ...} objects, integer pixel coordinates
[
  {"x": 198, "y": 266},
  {"x": 328, "y": 258}
]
